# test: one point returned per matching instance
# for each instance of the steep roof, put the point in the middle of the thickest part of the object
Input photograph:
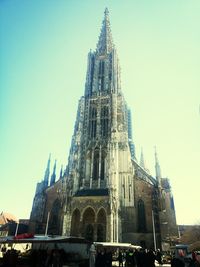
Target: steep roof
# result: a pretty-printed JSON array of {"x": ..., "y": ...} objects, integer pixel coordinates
[{"x": 6, "y": 217}]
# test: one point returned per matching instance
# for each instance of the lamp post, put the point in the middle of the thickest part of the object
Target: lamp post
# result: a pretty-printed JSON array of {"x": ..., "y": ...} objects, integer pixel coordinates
[
  {"x": 154, "y": 233},
  {"x": 47, "y": 224},
  {"x": 16, "y": 230}
]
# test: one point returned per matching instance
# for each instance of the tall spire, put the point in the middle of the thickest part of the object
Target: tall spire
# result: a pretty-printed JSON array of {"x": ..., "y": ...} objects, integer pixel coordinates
[
  {"x": 61, "y": 171},
  {"x": 157, "y": 167},
  {"x": 53, "y": 176},
  {"x": 105, "y": 43},
  {"x": 47, "y": 172},
  {"x": 130, "y": 136},
  {"x": 142, "y": 162}
]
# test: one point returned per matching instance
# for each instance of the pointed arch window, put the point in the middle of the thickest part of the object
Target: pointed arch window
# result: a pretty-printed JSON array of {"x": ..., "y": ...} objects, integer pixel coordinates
[
  {"x": 101, "y": 75},
  {"x": 93, "y": 122},
  {"x": 104, "y": 121},
  {"x": 163, "y": 200},
  {"x": 96, "y": 165},
  {"x": 124, "y": 189},
  {"x": 172, "y": 203},
  {"x": 103, "y": 156},
  {"x": 141, "y": 217}
]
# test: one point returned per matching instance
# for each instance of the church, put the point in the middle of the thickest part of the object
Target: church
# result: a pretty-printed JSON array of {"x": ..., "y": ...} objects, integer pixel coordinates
[{"x": 104, "y": 193}]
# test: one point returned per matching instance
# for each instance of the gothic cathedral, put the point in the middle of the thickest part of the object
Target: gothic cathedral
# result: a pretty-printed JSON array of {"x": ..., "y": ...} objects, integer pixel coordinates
[{"x": 104, "y": 194}]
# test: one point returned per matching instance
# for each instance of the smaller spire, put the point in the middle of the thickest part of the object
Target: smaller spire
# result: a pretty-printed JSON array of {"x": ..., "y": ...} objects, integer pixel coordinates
[
  {"x": 157, "y": 167},
  {"x": 106, "y": 12},
  {"x": 47, "y": 172},
  {"x": 156, "y": 155},
  {"x": 61, "y": 171},
  {"x": 142, "y": 163},
  {"x": 53, "y": 176}
]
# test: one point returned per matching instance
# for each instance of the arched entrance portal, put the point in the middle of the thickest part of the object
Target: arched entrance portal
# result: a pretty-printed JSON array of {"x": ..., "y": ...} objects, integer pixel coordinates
[
  {"x": 75, "y": 223},
  {"x": 88, "y": 224},
  {"x": 101, "y": 225},
  {"x": 54, "y": 220},
  {"x": 89, "y": 232}
]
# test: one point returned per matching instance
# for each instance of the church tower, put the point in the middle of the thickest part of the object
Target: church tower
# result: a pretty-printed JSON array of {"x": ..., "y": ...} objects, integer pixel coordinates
[{"x": 100, "y": 164}]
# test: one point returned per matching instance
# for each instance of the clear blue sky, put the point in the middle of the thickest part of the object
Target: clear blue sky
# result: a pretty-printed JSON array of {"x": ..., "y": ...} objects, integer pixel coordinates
[{"x": 43, "y": 60}]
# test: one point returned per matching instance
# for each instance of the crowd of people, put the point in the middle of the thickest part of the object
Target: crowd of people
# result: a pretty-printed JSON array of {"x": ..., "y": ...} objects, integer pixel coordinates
[
  {"x": 10, "y": 258},
  {"x": 141, "y": 258},
  {"x": 36, "y": 258},
  {"x": 128, "y": 258},
  {"x": 99, "y": 257}
]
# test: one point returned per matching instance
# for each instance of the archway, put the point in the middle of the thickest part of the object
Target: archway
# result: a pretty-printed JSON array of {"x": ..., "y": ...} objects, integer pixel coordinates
[
  {"x": 88, "y": 224},
  {"x": 54, "y": 218},
  {"x": 89, "y": 232},
  {"x": 101, "y": 225},
  {"x": 75, "y": 223}
]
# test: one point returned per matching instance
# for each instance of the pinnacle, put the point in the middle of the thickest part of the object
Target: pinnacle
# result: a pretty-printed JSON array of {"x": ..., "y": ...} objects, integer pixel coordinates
[
  {"x": 106, "y": 12},
  {"x": 105, "y": 43}
]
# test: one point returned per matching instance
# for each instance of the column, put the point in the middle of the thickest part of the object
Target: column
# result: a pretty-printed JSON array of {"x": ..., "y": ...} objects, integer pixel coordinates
[
  {"x": 99, "y": 178},
  {"x": 116, "y": 191},
  {"x": 91, "y": 170}
]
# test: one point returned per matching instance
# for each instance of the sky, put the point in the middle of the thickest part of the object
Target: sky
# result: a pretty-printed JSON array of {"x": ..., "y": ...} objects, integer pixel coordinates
[{"x": 43, "y": 60}]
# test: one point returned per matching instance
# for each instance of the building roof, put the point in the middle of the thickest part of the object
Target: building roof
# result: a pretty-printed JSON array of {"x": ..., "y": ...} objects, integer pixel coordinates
[{"x": 7, "y": 217}]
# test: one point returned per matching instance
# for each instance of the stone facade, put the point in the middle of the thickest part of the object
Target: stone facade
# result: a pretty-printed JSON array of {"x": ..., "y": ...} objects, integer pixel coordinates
[{"x": 104, "y": 194}]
